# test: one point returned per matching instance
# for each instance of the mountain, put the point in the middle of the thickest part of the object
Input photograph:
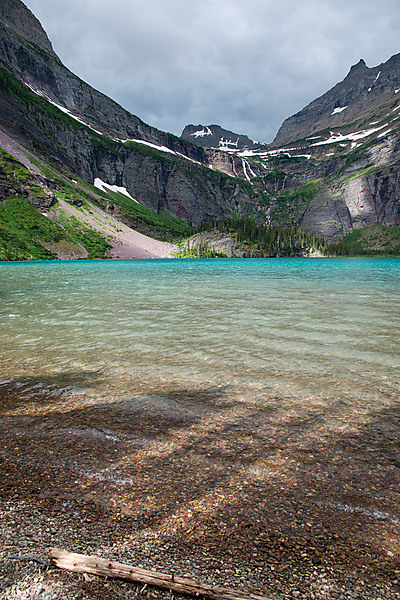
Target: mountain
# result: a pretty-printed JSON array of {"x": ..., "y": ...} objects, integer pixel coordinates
[
  {"x": 214, "y": 136},
  {"x": 345, "y": 145},
  {"x": 94, "y": 174},
  {"x": 333, "y": 169},
  {"x": 18, "y": 18},
  {"x": 75, "y": 133},
  {"x": 360, "y": 96}
]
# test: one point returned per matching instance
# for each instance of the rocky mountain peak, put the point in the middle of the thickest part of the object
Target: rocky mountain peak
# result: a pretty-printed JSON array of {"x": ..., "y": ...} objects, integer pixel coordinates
[
  {"x": 214, "y": 136},
  {"x": 357, "y": 73},
  {"x": 361, "y": 65},
  {"x": 15, "y": 15}
]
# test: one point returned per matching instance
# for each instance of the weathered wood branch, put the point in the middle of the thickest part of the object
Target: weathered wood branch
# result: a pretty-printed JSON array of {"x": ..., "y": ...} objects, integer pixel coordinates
[{"x": 80, "y": 563}]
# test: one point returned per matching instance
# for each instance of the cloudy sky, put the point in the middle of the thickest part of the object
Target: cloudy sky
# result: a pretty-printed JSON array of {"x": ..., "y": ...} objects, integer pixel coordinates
[{"x": 245, "y": 65}]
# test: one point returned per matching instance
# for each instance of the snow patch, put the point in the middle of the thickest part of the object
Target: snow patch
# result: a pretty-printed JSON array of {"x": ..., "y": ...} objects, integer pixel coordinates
[
  {"x": 265, "y": 153},
  {"x": 384, "y": 133},
  {"x": 163, "y": 149},
  {"x": 160, "y": 148},
  {"x": 69, "y": 113},
  {"x": 336, "y": 111},
  {"x": 150, "y": 144},
  {"x": 62, "y": 108},
  {"x": 205, "y": 131},
  {"x": 106, "y": 187},
  {"x": 226, "y": 144},
  {"x": 338, "y": 137}
]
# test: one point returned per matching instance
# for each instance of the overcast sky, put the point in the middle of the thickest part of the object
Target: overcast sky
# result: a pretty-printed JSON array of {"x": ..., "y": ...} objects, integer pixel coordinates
[{"x": 243, "y": 64}]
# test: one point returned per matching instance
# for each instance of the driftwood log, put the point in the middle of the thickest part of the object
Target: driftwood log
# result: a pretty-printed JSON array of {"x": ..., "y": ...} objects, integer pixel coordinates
[{"x": 80, "y": 563}]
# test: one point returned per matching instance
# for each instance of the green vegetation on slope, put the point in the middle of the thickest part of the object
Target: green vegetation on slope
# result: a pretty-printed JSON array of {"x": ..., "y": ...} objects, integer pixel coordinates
[
  {"x": 290, "y": 203},
  {"x": 159, "y": 225},
  {"x": 25, "y": 234},
  {"x": 23, "y": 228},
  {"x": 36, "y": 105},
  {"x": 96, "y": 244},
  {"x": 377, "y": 240},
  {"x": 10, "y": 168}
]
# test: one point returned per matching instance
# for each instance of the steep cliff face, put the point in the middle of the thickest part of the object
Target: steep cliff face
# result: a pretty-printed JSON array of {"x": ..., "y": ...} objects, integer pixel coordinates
[
  {"x": 39, "y": 68},
  {"x": 340, "y": 194},
  {"x": 20, "y": 19},
  {"x": 185, "y": 189},
  {"x": 357, "y": 198}
]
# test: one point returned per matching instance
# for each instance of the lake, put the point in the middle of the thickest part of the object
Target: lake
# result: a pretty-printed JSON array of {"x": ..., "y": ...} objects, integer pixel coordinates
[{"x": 317, "y": 331}]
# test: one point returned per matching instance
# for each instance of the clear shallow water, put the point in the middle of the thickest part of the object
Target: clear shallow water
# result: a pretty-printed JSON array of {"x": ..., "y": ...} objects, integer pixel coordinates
[{"x": 317, "y": 334}]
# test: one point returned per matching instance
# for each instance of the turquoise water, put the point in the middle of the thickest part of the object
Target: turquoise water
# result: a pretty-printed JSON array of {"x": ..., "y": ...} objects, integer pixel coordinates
[{"x": 306, "y": 333}]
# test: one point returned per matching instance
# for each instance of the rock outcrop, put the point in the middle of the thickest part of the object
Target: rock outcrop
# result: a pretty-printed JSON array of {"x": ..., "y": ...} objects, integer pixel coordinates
[
  {"x": 213, "y": 242},
  {"x": 21, "y": 20},
  {"x": 356, "y": 199}
]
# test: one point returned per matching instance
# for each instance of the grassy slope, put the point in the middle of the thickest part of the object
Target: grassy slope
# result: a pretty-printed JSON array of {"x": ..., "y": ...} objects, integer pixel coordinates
[
  {"x": 22, "y": 229},
  {"x": 377, "y": 240},
  {"x": 25, "y": 234}
]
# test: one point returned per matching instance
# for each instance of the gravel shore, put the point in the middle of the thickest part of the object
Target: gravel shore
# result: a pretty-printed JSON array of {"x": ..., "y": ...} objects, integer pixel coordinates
[{"x": 225, "y": 495}]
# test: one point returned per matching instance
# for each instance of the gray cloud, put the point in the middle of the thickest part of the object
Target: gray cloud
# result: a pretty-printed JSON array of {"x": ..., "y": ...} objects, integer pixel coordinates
[{"x": 246, "y": 66}]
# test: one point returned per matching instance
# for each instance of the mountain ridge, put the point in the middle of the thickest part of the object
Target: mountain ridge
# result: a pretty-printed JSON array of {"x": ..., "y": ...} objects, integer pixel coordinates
[
  {"x": 97, "y": 138},
  {"x": 364, "y": 89}
]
